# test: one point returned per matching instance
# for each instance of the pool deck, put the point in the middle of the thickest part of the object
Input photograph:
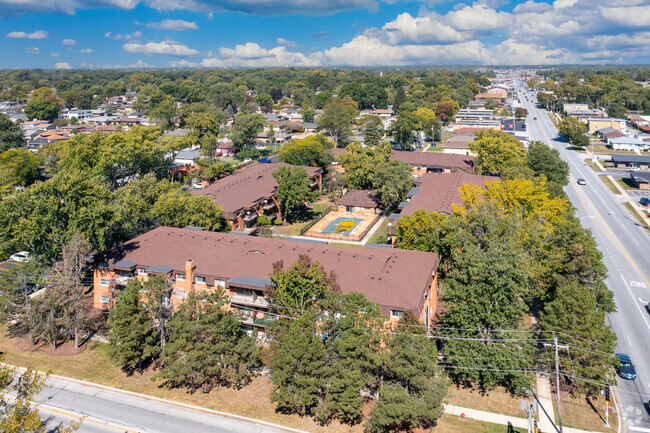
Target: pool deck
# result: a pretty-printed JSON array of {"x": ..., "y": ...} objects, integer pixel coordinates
[{"x": 357, "y": 233}]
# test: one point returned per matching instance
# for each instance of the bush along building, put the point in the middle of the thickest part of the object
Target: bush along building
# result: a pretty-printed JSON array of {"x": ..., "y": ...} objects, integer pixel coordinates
[{"x": 399, "y": 281}]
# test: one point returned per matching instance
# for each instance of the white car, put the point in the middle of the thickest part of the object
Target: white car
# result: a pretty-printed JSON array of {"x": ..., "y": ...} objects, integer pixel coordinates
[{"x": 20, "y": 257}]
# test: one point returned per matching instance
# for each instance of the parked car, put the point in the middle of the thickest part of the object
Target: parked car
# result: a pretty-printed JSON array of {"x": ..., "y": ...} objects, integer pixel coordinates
[
  {"x": 625, "y": 367},
  {"x": 266, "y": 160},
  {"x": 581, "y": 181},
  {"x": 535, "y": 118},
  {"x": 20, "y": 257},
  {"x": 635, "y": 168},
  {"x": 645, "y": 201}
]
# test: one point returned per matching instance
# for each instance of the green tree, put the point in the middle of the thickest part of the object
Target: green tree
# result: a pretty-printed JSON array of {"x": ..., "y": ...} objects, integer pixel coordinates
[
  {"x": 295, "y": 289},
  {"x": 360, "y": 163},
  {"x": 617, "y": 111},
  {"x": 298, "y": 367},
  {"x": 10, "y": 134},
  {"x": 399, "y": 99},
  {"x": 392, "y": 181},
  {"x": 207, "y": 347},
  {"x": 337, "y": 119},
  {"x": 497, "y": 151},
  {"x": 132, "y": 342},
  {"x": 308, "y": 115},
  {"x": 447, "y": 109},
  {"x": 404, "y": 128},
  {"x": 43, "y": 108},
  {"x": 158, "y": 291},
  {"x": 314, "y": 150},
  {"x": 293, "y": 191},
  {"x": 18, "y": 167},
  {"x": 265, "y": 101},
  {"x": 412, "y": 387},
  {"x": 574, "y": 131},
  {"x": 177, "y": 208},
  {"x": 520, "y": 112},
  {"x": 546, "y": 161},
  {"x": 245, "y": 128},
  {"x": 426, "y": 121},
  {"x": 210, "y": 170},
  {"x": 373, "y": 130}
]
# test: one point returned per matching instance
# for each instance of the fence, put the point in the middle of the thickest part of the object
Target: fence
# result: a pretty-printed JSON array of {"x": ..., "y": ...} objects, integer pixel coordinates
[{"x": 311, "y": 223}]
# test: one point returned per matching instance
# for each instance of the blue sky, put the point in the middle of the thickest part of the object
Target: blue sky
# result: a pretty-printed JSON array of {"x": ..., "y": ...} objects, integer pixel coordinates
[{"x": 314, "y": 33}]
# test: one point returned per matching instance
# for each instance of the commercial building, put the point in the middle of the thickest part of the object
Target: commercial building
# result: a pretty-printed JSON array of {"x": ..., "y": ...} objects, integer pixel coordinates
[{"x": 399, "y": 281}]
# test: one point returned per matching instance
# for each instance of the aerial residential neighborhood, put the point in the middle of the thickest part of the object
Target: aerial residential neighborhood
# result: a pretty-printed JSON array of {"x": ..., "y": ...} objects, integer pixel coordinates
[{"x": 341, "y": 217}]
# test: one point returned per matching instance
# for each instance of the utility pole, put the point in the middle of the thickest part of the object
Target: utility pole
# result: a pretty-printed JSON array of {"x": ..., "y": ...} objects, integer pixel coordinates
[
  {"x": 557, "y": 377},
  {"x": 607, "y": 391}
]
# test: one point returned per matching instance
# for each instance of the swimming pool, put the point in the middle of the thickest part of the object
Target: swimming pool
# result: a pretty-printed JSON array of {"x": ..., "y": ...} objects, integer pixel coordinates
[{"x": 331, "y": 227}]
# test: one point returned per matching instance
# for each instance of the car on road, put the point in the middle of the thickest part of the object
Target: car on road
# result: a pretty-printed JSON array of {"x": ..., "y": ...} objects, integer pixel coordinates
[
  {"x": 534, "y": 118},
  {"x": 625, "y": 367},
  {"x": 645, "y": 201},
  {"x": 20, "y": 257},
  {"x": 581, "y": 181},
  {"x": 265, "y": 160}
]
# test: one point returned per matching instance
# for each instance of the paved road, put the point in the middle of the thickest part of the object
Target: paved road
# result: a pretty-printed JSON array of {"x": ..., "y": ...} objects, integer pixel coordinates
[
  {"x": 626, "y": 253},
  {"x": 115, "y": 412}
]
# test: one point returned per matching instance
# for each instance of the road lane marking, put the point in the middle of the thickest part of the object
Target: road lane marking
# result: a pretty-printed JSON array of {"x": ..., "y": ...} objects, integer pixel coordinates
[
  {"x": 637, "y": 305},
  {"x": 81, "y": 418},
  {"x": 641, "y": 429},
  {"x": 642, "y": 301},
  {"x": 639, "y": 284}
]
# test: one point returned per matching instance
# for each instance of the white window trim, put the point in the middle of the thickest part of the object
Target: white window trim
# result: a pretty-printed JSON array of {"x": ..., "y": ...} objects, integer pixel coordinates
[
  {"x": 142, "y": 271},
  {"x": 104, "y": 282},
  {"x": 180, "y": 294},
  {"x": 399, "y": 314},
  {"x": 180, "y": 277},
  {"x": 104, "y": 299},
  {"x": 220, "y": 283},
  {"x": 201, "y": 280}
]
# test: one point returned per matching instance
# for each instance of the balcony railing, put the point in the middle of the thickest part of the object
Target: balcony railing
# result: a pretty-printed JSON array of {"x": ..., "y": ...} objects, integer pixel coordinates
[
  {"x": 239, "y": 299},
  {"x": 250, "y": 217},
  {"x": 268, "y": 206},
  {"x": 121, "y": 281}
]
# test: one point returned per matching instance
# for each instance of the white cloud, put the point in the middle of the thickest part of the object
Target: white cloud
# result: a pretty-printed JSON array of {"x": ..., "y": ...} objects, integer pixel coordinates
[
  {"x": 38, "y": 34},
  {"x": 182, "y": 64},
  {"x": 252, "y": 55},
  {"x": 478, "y": 17},
  {"x": 86, "y": 50},
  {"x": 287, "y": 42},
  {"x": 19, "y": 7},
  {"x": 32, "y": 50},
  {"x": 62, "y": 65},
  {"x": 70, "y": 42},
  {"x": 266, "y": 7},
  {"x": 55, "y": 54},
  {"x": 420, "y": 30},
  {"x": 638, "y": 16},
  {"x": 110, "y": 35},
  {"x": 531, "y": 6},
  {"x": 178, "y": 25},
  {"x": 135, "y": 35},
  {"x": 167, "y": 47},
  {"x": 139, "y": 64}
]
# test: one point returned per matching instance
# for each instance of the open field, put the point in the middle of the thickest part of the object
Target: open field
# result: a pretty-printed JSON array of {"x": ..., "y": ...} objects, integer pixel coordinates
[
  {"x": 586, "y": 414},
  {"x": 381, "y": 235},
  {"x": 453, "y": 424},
  {"x": 496, "y": 401}
]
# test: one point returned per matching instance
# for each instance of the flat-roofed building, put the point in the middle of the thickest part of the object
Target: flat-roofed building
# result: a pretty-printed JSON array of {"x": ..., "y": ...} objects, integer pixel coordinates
[{"x": 434, "y": 162}]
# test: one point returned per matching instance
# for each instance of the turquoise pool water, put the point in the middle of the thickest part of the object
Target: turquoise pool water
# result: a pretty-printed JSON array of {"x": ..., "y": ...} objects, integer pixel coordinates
[{"x": 331, "y": 226}]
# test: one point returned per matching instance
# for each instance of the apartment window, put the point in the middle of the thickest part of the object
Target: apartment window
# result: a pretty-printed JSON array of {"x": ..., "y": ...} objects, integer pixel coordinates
[
  {"x": 220, "y": 283},
  {"x": 180, "y": 295},
  {"x": 349, "y": 209},
  {"x": 180, "y": 277},
  {"x": 142, "y": 271},
  {"x": 200, "y": 280},
  {"x": 103, "y": 265},
  {"x": 103, "y": 282},
  {"x": 396, "y": 314},
  {"x": 103, "y": 299}
]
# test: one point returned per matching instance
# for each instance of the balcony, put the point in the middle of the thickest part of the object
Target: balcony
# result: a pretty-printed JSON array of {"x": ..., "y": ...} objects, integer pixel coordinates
[
  {"x": 249, "y": 300},
  {"x": 268, "y": 206},
  {"x": 250, "y": 217},
  {"x": 120, "y": 281}
]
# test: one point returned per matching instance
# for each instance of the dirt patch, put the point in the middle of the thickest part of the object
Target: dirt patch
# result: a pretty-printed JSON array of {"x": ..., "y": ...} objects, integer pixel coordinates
[{"x": 65, "y": 349}]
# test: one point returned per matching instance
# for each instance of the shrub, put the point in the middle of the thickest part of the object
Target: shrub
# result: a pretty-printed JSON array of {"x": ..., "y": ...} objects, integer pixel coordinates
[
  {"x": 277, "y": 222},
  {"x": 263, "y": 221}
]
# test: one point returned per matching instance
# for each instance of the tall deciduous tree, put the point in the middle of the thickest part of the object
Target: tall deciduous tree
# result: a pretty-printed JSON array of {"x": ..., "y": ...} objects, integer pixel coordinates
[
  {"x": 66, "y": 284},
  {"x": 245, "y": 129},
  {"x": 314, "y": 150},
  {"x": 158, "y": 291},
  {"x": 294, "y": 190},
  {"x": 496, "y": 152},
  {"x": 337, "y": 119},
  {"x": 132, "y": 343},
  {"x": 207, "y": 347},
  {"x": 10, "y": 134},
  {"x": 43, "y": 108},
  {"x": 18, "y": 167},
  {"x": 361, "y": 162},
  {"x": 392, "y": 181},
  {"x": 179, "y": 209},
  {"x": 574, "y": 131}
]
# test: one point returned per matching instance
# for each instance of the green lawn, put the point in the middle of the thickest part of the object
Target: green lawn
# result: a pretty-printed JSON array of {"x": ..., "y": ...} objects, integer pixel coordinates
[
  {"x": 294, "y": 229},
  {"x": 453, "y": 424},
  {"x": 435, "y": 149},
  {"x": 585, "y": 414},
  {"x": 625, "y": 184},
  {"x": 381, "y": 235},
  {"x": 609, "y": 184},
  {"x": 593, "y": 166}
]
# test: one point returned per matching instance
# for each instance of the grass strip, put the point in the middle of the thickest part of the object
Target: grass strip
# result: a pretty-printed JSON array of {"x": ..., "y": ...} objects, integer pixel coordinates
[
  {"x": 610, "y": 184},
  {"x": 638, "y": 217}
]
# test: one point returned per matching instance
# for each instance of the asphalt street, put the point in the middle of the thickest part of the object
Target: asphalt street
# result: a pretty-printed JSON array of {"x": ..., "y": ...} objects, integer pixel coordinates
[
  {"x": 109, "y": 411},
  {"x": 626, "y": 253}
]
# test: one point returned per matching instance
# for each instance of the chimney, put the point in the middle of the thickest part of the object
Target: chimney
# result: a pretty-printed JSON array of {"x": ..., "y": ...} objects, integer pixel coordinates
[{"x": 189, "y": 274}]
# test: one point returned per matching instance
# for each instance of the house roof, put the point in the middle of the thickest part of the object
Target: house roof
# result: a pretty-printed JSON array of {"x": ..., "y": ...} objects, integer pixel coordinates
[
  {"x": 360, "y": 198},
  {"x": 434, "y": 160},
  {"x": 627, "y": 140},
  {"x": 387, "y": 276},
  {"x": 439, "y": 191},
  {"x": 607, "y": 130},
  {"x": 245, "y": 187},
  {"x": 189, "y": 154},
  {"x": 614, "y": 134},
  {"x": 630, "y": 158}
]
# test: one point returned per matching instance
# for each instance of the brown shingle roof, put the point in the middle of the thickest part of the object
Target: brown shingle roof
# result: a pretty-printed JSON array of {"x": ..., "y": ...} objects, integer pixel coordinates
[
  {"x": 245, "y": 187},
  {"x": 438, "y": 191},
  {"x": 387, "y": 276},
  {"x": 435, "y": 160},
  {"x": 360, "y": 198}
]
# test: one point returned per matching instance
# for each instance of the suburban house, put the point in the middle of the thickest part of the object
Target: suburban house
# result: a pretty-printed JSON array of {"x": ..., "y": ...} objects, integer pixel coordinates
[
  {"x": 434, "y": 162},
  {"x": 399, "y": 281},
  {"x": 249, "y": 193},
  {"x": 458, "y": 143},
  {"x": 224, "y": 148},
  {"x": 629, "y": 161},
  {"x": 597, "y": 123},
  {"x": 497, "y": 95},
  {"x": 188, "y": 157},
  {"x": 359, "y": 201},
  {"x": 628, "y": 143}
]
